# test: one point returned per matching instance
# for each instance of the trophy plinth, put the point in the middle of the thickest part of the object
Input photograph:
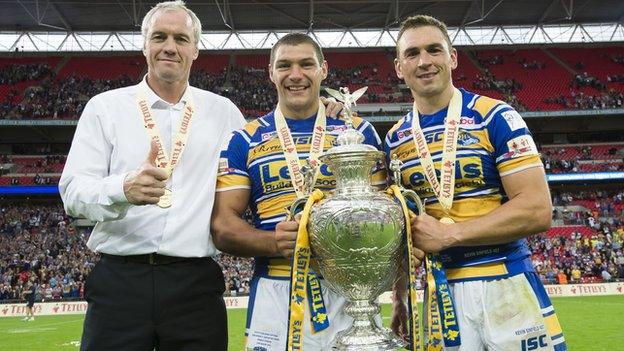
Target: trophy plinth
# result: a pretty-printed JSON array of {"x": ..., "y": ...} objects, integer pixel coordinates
[{"x": 356, "y": 237}]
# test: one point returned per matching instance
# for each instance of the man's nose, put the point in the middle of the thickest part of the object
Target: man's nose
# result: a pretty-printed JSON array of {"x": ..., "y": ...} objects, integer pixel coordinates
[
  {"x": 424, "y": 59},
  {"x": 296, "y": 72},
  {"x": 169, "y": 46}
]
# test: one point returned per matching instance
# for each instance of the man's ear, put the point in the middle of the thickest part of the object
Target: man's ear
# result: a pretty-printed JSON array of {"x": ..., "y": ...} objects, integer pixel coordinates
[
  {"x": 397, "y": 68},
  {"x": 271, "y": 73},
  {"x": 324, "y": 69},
  {"x": 453, "y": 58}
]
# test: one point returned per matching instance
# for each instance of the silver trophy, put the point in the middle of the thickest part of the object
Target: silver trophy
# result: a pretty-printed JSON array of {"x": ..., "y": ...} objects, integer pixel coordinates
[{"x": 356, "y": 235}]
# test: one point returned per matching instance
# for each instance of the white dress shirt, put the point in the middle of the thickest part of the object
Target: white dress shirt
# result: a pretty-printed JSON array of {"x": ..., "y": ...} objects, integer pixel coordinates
[{"x": 110, "y": 141}]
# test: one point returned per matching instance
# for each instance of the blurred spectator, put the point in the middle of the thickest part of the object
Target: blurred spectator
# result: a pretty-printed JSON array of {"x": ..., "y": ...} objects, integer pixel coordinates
[{"x": 15, "y": 73}]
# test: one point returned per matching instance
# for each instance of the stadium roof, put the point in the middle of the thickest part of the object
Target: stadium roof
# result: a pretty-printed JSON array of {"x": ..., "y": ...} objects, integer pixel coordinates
[
  {"x": 88, "y": 25},
  {"x": 219, "y": 15}
]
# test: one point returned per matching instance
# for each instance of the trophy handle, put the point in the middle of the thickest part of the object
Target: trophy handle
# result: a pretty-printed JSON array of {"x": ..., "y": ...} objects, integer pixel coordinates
[
  {"x": 296, "y": 207},
  {"x": 413, "y": 201}
]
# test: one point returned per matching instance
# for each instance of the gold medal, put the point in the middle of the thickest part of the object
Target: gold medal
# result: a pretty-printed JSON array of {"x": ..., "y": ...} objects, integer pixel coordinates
[
  {"x": 165, "y": 200},
  {"x": 447, "y": 220}
]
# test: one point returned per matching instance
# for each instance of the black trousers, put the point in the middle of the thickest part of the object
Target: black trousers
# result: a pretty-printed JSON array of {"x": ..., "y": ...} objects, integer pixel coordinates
[{"x": 165, "y": 307}]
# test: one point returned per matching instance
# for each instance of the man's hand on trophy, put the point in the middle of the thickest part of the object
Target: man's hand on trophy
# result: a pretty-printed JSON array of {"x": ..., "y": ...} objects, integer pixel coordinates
[
  {"x": 399, "y": 321},
  {"x": 332, "y": 107},
  {"x": 418, "y": 256},
  {"x": 286, "y": 236},
  {"x": 432, "y": 236}
]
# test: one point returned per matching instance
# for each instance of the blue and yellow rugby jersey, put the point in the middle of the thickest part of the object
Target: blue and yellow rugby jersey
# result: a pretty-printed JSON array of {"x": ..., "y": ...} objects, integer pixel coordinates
[
  {"x": 254, "y": 160},
  {"x": 493, "y": 141}
]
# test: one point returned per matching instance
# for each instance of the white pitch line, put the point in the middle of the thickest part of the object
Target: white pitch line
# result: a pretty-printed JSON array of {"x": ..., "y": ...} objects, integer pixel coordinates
[{"x": 42, "y": 327}]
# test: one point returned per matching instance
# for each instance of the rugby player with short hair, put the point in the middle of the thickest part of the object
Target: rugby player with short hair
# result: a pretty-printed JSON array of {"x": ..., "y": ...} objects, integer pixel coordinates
[
  {"x": 473, "y": 160},
  {"x": 254, "y": 172}
]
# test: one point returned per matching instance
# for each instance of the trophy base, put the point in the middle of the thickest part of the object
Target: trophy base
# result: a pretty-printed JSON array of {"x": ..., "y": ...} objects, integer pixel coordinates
[{"x": 379, "y": 339}]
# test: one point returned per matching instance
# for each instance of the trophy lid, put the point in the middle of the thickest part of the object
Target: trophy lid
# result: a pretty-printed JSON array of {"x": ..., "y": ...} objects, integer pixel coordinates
[{"x": 351, "y": 140}]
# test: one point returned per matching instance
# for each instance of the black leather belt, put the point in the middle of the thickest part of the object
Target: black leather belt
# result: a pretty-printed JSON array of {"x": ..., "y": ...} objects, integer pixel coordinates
[{"x": 152, "y": 258}]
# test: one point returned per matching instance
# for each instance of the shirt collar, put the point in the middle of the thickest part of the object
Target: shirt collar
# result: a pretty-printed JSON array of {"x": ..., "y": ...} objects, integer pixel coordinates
[{"x": 156, "y": 101}]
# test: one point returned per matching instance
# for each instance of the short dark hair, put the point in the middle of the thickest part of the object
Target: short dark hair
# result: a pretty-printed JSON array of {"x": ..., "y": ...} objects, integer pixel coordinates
[
  {"x": 423, "y": 21},
  {"x": 293, "y": 39}
]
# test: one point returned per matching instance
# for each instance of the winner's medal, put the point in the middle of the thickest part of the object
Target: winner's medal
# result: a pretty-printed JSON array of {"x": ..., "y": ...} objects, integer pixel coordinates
[
  {"x": 178, "y": 145},
  {"x": 447, "y": 220},
  {"x": 165, "y": 200}
]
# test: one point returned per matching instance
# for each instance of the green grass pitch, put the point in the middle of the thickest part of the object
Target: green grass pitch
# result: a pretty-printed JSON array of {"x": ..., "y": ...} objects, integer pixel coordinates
[{"x": 589, "y": 323}]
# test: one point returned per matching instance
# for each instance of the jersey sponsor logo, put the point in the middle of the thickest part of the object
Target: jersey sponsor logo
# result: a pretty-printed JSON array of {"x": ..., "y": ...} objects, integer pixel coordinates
[
  {"x": 401, "y": 134},
  {"x": 463, "y": 171},
  {"x": 467, "y": 121},
  {"x": 276, "y": 177},
  {"x": 265, "y": 149},
  {"x": 534, "y": 343},
  {"x": 514, "y": 120},
  {"x": 268, "y": 136},
  {"x": 336, "y": 128},
  {"x": 466, "y": 139},
  {"x": 521, "y": 146}
]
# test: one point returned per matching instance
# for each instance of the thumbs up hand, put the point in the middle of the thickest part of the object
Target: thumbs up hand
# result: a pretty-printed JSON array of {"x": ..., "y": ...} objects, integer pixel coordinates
[{"x": 146, "y": 185}]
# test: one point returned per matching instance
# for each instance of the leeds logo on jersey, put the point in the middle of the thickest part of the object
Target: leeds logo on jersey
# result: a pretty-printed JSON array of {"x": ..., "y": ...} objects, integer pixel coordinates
[
  {"x": 514, "y": 120},
  {"x": 466, "y": 139}
]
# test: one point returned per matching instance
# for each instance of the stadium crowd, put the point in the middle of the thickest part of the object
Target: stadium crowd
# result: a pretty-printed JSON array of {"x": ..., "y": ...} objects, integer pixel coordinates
[
  {"x": 16, "y": 73},
  {"x": 55, "y": 97},
  {"x": 39, "y": 245},
  {"x": 577, "y": 258},
  {"x": 62, "y": 99}
]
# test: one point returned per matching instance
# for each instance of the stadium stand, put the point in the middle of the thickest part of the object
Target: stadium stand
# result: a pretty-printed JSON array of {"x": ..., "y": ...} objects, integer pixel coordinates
[
  {"x": 584, "y": 245},
  {"x": 529, "y": 79}
]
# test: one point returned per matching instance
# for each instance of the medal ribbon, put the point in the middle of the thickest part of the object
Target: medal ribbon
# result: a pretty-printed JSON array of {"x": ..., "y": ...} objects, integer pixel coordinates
[
  {"x": 434, "y": 327},
  {"x": 290, "y": 148},
  {"x": 179, "y": 141},
  {"x": 299, "y": 276},
  {"x": 412, "y": 300},
  {"x": 441, "y": 305},
  {"x": 444, "y": 191},
  {"x": 440, "y": 298}
]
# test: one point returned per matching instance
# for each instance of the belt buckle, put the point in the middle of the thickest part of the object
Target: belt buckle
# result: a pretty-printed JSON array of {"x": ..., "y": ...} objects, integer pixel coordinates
[{"x": 152, "y": 259}]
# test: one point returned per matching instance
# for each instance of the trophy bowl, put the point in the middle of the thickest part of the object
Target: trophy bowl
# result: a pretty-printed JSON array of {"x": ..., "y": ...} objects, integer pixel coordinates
[{"x": 356, "y": 237}]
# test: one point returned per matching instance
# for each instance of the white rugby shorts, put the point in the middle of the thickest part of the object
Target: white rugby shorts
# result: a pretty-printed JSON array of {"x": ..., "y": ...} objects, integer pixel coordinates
[
  {"x": 513, "y": 313},
  {"x": 267, "y": 317}
]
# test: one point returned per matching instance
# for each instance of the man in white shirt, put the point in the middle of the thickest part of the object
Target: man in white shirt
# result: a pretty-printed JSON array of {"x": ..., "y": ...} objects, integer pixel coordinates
[{"x": 143, "y": 164}]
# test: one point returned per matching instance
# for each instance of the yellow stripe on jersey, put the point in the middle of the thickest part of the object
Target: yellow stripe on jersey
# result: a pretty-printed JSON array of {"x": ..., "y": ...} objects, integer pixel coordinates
[
  {"x": 468, "y": 208},
  {"x": 482, "y": 135},
  {"x": 379, "y": 177},
  {"x": 519, "y": 163},
  {"x": 357, "y": 121},
  {"x": 396, "y": 126},
  {"x": 252, "y": 127},
  {"x": 232, "y": 181},
  {"x": 480, "y": 271},
  {"x": 552, "y": 325},
  {"x": 276, "y": 206},
  {"x": 280, "y": 267},
  {"x": 485, "y": 104}
]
